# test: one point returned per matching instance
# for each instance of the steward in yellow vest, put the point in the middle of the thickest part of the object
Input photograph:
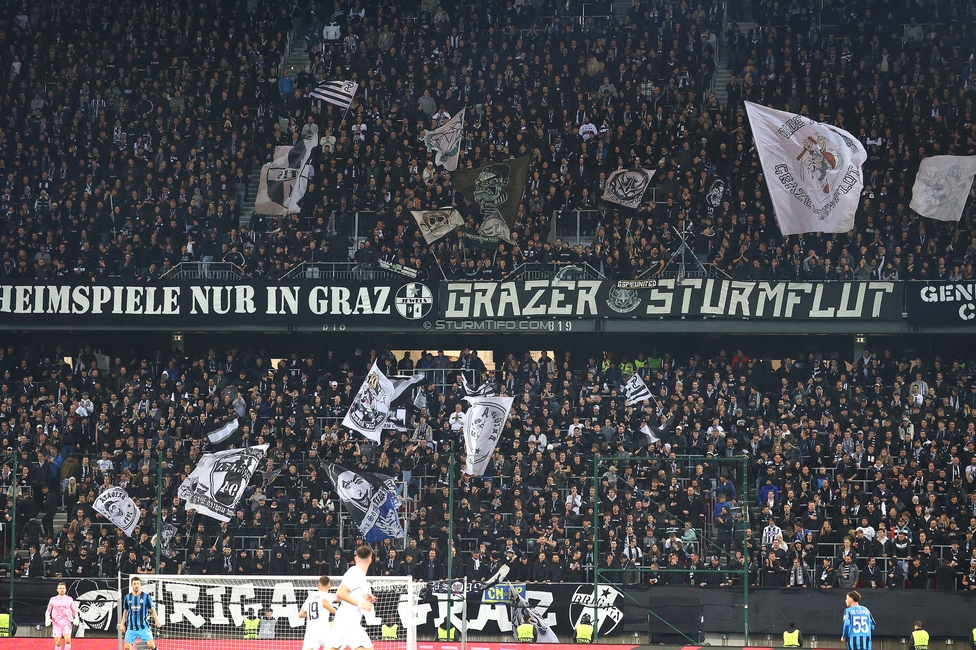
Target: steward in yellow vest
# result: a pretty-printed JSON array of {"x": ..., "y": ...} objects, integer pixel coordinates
[
  {"x": 584, "y": 631},
  {"x": 5, "y": 630},
  {"x": 390, "y": 632},
  {"x": 251, "y": 624},
  {"x": 920, "y": 638},
  {"x": 446, "y": 634},
  {"x": 525, "y": 633},
  {"x": 792, "y": 637}
]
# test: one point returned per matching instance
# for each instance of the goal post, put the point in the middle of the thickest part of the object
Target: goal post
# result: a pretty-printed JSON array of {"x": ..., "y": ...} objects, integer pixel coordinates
[{"x": 209, "y": 612}]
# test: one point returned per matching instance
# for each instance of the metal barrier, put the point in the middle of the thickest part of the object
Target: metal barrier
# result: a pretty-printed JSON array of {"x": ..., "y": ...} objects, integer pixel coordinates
[{"x": 206, "y": 271}]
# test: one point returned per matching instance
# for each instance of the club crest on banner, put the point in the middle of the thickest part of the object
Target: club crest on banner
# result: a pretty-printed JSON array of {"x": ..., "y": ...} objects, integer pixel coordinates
[
  {"x": 609, "y": 615},
  {"x": 413, "y": 301},
  {"x": 621, "y": 300}
]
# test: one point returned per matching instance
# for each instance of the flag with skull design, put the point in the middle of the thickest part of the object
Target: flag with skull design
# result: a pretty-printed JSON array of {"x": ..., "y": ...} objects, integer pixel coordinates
[
  {"x": 370, "y": 499},
  {"x": 496, "y": 189},
  {"x": 627, "y": 186}
]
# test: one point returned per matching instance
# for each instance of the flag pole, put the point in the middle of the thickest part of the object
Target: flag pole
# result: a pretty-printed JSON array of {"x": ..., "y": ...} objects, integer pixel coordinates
[
  {"x": 159, "y": 509},
  {"x": 450, "y": 536}
]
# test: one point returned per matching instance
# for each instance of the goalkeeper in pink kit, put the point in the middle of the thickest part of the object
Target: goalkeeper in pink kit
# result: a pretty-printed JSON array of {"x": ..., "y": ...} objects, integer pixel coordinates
[{"x": 61, "y": 613}]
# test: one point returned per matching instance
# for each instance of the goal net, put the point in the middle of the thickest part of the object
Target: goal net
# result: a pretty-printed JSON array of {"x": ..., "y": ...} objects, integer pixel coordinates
[{"x": 213, "y": 612}]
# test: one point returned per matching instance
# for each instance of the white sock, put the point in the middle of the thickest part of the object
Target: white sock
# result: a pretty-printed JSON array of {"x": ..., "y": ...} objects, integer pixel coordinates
[{"x": 67, "y": 646}]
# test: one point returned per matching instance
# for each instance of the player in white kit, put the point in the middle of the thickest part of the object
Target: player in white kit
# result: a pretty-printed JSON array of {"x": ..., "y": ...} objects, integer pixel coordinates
[
  {"x": 315, "y": 611},
  {"x": 61, "y": 613},
  {"x": 354, "y": 598}
]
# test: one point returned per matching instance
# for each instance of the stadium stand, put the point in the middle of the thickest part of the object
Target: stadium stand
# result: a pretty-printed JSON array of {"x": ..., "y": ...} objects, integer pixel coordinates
[
  {"x": 871, "y": 459},
  {"x": 129, "y": 138},
  {"x": 128, "y": 144}
]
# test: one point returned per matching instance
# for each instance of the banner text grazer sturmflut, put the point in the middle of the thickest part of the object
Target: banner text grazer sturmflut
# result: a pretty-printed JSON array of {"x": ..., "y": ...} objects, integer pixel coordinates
[{"x": 693, "y": 298}]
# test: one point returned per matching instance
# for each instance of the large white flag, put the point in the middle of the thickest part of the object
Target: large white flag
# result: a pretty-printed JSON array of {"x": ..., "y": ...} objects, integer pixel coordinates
[
  {"x": 217, "y": 483},
  {"x": 483, "y": 424},
  {"x": 115, "y": 505},
  {"x": 445, "y": 141},
  {"x": 942, "y": 186},
  {"x": 370, "y": 408},
  {"x": 813, "y": 170},
  {"x": 283, "y": 180},
  {"x": 434, "y": 224},
  {"x": 627, "y": 186}
]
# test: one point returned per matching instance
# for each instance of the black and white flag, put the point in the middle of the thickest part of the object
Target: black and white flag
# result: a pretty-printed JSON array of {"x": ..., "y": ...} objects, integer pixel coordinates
[
  {"x": 166, "y": 543},
  {"x": 340, "y": 93},
  {"x": 217, "y": 483},
  {"x": 942, "y": 186},
  {"x": 370, "y": 408},
  {"x": 627, "y": 186},
  {"x": 284, "y": 180},
  {"x": 370, "y": 499},
  {"x": 523, "y": 612},
  {"x": 483, "y": 424},
  {"x": 117, "y": 506},
  {"x": 434, "y": 224},
  {"x": 636, "y": 391},
  {"x": 486, "y": 388},
  {"x": 813, "y": 170},
  {"x": 217, "y": 436}
]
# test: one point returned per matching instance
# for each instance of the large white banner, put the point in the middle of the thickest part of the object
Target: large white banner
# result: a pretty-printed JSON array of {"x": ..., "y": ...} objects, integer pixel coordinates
[
  {"x": 483, "y": 424},
  {"x": 942, "y": 186},
  {"x": 217, "y": 483},
  {"x": 283, "y": 180},
  {"x": 813, "y": 170},
  {"x": 117, "y": 506}
]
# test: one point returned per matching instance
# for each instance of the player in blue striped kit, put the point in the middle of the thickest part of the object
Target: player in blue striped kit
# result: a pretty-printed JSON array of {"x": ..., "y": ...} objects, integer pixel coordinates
[
  {"x": 858, "y": 623},
  {"x": 137, "y": 607}
]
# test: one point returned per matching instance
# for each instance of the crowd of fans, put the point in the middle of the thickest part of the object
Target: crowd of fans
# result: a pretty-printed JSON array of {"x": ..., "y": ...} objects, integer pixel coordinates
[
  {"x": 812, "y": 472},
  {"x": 127, "y": 133}
]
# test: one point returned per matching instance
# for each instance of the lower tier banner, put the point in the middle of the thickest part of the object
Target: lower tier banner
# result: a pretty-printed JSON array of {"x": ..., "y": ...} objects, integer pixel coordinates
[{"x": 217, "y": 610}]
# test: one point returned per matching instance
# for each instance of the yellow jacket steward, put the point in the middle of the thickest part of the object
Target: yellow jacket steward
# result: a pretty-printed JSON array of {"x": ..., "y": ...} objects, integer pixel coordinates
[
  {"x": 920, "y": 640},
  {"x": 525, "y": 633},
  {"x": 4, "y": 625},
  {"x": 251, "y": 627},
  {"x": 584, "y": 633},
  {"x": 390, "y": 632},
  {"x": 446, "y": 635},
  {"x": 791, "y": 639}
]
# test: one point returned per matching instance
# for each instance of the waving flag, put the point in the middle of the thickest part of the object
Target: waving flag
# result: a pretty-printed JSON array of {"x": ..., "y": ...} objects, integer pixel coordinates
[
  {"x": 523, "y": 612},
  {"x": 370, "y": 408},
  {"x": 496, "y": 188},
  {"x": 434, "y": 224},
  {"x": 340, "y": 93},
  {"x": 445, "y": 142},
  {"x": 283, "y": 180},
  {"x": 217, "y": 483},
  {"x": 370, "y": 499},
  {"x": 487, "y": 388},
  {"x": 627, "y": 186},
  {"x": 636, "y": 391},
  {"x": 483, "y": 424},
  {"x": 115, "y": 505},
  {"x": 217, "y": 436},
  {"x": 813, "y": 170},
  {"x": 942, "y": 186}
]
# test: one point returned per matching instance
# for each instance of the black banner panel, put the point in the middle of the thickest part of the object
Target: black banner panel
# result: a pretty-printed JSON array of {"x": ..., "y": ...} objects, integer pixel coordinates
[
  {"x": 944, "y": 303},
  {"x": 689, "y": 298},
  {"x": 216, "y": 306}
]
